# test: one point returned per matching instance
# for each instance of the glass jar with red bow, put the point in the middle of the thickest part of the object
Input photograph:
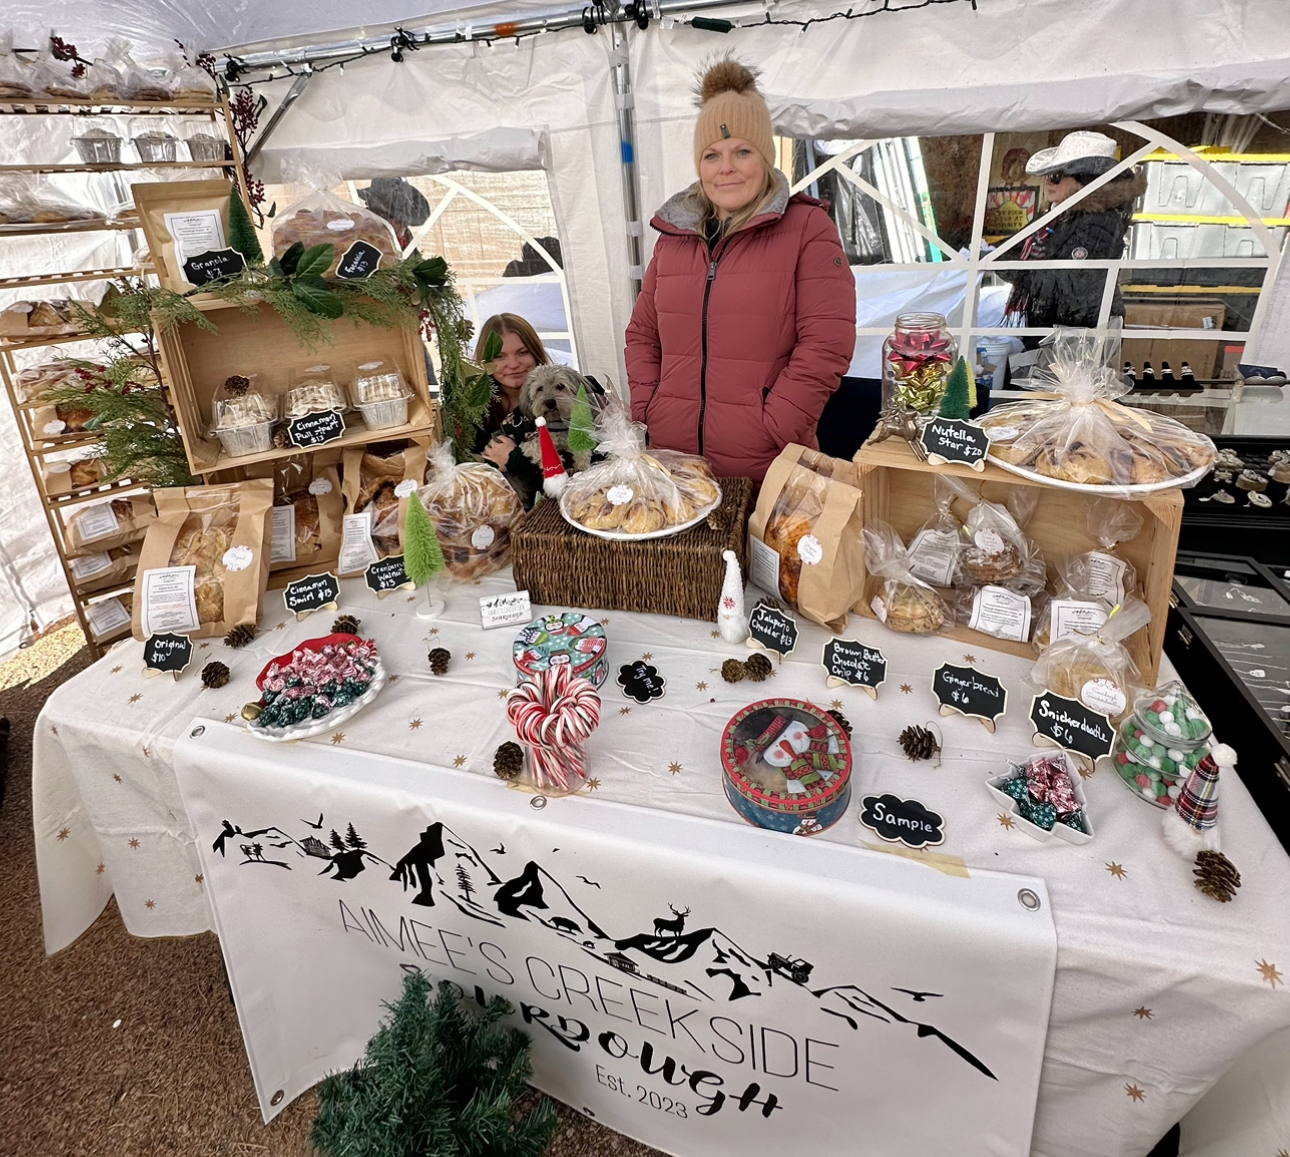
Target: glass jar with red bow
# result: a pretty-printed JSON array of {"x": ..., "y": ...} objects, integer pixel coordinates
[{"x": 916, "y": 362}]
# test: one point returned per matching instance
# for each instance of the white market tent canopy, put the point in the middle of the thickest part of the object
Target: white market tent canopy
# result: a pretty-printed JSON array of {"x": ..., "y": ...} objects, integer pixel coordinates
[{"x": 549, "y": 102}]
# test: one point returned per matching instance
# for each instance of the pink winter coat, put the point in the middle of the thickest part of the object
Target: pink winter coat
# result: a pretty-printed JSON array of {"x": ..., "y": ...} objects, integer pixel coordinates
[{"x": 733, "y": 354}]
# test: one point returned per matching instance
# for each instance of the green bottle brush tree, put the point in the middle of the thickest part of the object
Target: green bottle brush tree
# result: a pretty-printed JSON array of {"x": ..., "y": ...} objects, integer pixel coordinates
[{"x": 422, "y": 554}]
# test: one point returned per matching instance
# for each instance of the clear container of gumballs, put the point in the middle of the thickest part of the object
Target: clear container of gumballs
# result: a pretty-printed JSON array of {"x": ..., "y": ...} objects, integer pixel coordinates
[
  {"x": 1151, "y": 770},
  {"x": 1171, "y": 716}
]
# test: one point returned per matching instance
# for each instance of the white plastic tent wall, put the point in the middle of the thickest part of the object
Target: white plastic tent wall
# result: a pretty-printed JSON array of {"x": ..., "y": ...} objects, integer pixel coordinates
[{"x": 548, "y": 102}]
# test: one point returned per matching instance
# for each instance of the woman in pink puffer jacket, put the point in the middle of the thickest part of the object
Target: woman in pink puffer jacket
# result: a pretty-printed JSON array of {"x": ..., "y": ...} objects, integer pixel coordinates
[{"x": 746, "y": 319}]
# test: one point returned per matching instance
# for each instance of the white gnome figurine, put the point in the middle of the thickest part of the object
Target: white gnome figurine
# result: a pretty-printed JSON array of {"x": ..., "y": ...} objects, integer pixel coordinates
[{"x": 731, "y": 621}]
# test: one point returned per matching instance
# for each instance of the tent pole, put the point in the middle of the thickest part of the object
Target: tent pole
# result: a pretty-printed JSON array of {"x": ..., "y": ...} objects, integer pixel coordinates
[
  {"x": 626, "y": 102},
  {"x": 293, "y": 94}
]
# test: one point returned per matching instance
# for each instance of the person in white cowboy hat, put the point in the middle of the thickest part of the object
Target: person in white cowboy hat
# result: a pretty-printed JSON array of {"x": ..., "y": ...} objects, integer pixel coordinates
[{"x": 1094, "y": 228}]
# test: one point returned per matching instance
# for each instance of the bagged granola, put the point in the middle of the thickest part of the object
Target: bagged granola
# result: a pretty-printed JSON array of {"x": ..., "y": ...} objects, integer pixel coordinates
[
  {"x": 205, "y": 560},
  {"x": 804, "y": 538}
]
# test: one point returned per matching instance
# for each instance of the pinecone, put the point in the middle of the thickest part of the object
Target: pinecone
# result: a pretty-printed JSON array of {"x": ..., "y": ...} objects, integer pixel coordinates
[
  {"x": 346, "y": 625},
  {"x": 439, "y": 658},
  {"x": 1216, "y": 876},
  {"x": 280, "y": 439},
  {"x": 843, "y": 721},
  {"x": 214, "y": 674},
  {"x": 508, "y": 761},
  {"x": 733, "y": 671},
  {"x": 767, "y": 601},
  {"x": 919, "y": 743},
  {"x": 236, "y": 385},
  {"x": 241, "y": 635},
  {"x": 758, "y": 667}
]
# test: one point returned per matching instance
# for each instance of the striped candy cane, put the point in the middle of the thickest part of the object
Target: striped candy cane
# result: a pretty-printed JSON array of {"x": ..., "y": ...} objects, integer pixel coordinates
[{"x": 554, "y": 714}]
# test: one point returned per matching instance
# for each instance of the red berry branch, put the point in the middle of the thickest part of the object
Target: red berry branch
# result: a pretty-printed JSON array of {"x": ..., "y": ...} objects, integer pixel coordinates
[{"x": 61, "y": 50}]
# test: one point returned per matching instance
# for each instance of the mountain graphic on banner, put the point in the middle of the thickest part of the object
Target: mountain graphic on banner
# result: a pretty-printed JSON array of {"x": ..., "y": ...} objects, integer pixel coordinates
[{"x": 703, "y": 963}]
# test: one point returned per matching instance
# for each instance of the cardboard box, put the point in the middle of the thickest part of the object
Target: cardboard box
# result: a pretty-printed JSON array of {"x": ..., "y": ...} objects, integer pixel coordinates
[
  {"x": 1202, "y": 356},
  {"x": 898, "y": 490}
]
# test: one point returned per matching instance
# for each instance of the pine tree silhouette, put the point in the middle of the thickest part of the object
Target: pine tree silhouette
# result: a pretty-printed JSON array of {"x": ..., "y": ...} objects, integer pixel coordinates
[
  {"x": 353, "y": 839},
  {"x": 336, "y": 841},
  {"x": 463, "y": 881}
]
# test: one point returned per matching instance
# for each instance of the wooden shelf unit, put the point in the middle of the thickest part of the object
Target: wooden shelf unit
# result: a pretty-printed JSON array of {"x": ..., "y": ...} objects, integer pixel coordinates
[{"x": 37, "y": 444}]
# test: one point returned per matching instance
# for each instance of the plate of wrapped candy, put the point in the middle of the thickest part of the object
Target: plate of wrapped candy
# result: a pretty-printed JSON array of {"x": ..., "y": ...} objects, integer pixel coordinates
[
  {"x": 321, "y": 684},
  {"x": 1045, "y": 798}
]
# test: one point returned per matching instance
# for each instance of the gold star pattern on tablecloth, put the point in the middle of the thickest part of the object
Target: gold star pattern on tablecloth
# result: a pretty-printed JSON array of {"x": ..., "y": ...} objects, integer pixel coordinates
[
  {"x": 231, "y": 717},
  {"x": 969, "y": 658},
  {"x": 414, "y": 725},
  {"x": 135, "y": 697},
  {"x": 280, "y": 627},
  {"x": 470, "y": 654},
  {"x": 338, "y": 737},
  {"x": 100, "y": 869},
  {"x": 906, "y": 689},
  {"x": 117, "y": 669},
  {"x": 1269, "y": 973},
  {"x": 1143, "y": 1013},
  {"x": 593, "y": 785},
  {"x": 460, "y": 761},
  {"x": 62, "y": 835},
  {"x": 199, "y": 878},
  {"x": 1086, "y": 772},
  {"x": 134, "y": 844},
  {"x": 715, "y": 634},
  {"x": 150, "y": 904},
  {"x": 478, "y": 582},
  {"x": 503, "y": 693},
  {"x": 394, "y": 678},
  {"x": 645, "y": 658},
  {"x": 605, "y": 621},
  {"x": 205, "y": 645},
  {"x": 624, "y": 711},
  {"x": 836, "y": 705},
  {"x": 674, "y": 768},
  {"x": 434, "y": 631},
  {"x": 116, "y": 777},
  {"x": 1134, "y": 1093},
  {"x": 53, "y": 728},
  {"x": 1117, "y": 870},
  {"x": 700, "y": 686},
  {"x": 1005, "y": 820}
]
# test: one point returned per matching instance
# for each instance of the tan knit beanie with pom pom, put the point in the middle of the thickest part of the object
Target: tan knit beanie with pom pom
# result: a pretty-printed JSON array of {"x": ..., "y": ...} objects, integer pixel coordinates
[{"x": 731, "y": 106}]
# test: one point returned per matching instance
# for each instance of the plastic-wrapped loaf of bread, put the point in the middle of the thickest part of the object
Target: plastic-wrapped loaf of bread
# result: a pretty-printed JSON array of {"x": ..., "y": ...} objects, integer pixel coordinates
[
  {"x": 634, "y": 492},
  {"x": 472, "y": 507},
  {"x": 900, "y": 600},
  {"x": 1076, "y": 431},
  {"x": 37, "y": 319},
  {"x": 1094, "y": 666},
  {"x": 804, "y": 536},
  {"x": 322, "y": 218},
  {"x": 205, "y": 560}
]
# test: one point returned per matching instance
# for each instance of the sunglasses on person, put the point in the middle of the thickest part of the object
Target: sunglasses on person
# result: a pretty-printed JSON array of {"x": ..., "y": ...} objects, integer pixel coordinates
[{"x": 1056, "y": 178}]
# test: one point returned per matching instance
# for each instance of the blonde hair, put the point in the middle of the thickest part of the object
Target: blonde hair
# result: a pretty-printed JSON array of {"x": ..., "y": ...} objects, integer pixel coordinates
[
  {"x": 504, "y": 323},
  {"x": 697, "y": 201}
]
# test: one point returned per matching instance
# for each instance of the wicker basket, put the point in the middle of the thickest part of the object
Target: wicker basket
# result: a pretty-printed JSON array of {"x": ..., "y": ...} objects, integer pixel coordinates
[{"x": 563, "y": 567}]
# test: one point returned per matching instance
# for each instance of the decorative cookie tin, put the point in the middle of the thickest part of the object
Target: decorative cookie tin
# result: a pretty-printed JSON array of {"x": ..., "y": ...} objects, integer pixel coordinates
[
  {"x": 787, "y": 766},
  {"x": 568, "y": 637}
]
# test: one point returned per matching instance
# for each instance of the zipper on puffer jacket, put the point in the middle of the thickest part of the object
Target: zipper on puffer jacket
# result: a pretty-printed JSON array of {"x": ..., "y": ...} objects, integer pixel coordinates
[{"x": 713, "y": 260}]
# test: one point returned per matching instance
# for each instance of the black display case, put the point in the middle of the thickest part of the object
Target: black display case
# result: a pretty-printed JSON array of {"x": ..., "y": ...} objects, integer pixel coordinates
[
  {"x": 1212, "y": 525},
  {"x": 1229, "y": 638}
]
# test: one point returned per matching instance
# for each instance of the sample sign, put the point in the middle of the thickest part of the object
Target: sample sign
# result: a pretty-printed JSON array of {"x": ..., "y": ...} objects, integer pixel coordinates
[
  {"x": 386, "y": 575},
  {"x": 850, "y": 662},
  {"x": 213, "y": 265},
  {"x": 954, "y": 440},
  {"x": 1069, "y": 724},
  {"x": 314, "y": 592},
  {"x": 772, "y": 630},
  {"x": 316, "y": 429},
  {"x": 167, "y": 652},
  {"x": 641, "y": 681},
  {"x": 359, "y": 260},
  {"x": 966, "y": 691},
  {"x": 902, "y": 821},
  {"x": 505, "y": 610}
]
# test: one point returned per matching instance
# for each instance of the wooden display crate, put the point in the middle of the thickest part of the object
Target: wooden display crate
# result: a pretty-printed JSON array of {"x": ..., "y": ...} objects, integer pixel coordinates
[
  {"x": 562, "y": 566},
  {"x": 898, "y": 489},
  {"x": 197, "y": 362}
]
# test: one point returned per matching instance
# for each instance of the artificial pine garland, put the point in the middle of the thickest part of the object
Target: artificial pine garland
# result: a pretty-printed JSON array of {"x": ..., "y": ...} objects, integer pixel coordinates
[{"x": 437, "y": 1081}]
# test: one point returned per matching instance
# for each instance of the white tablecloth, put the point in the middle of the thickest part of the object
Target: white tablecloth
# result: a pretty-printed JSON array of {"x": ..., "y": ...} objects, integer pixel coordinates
[{"x": 1159, "y": 990}]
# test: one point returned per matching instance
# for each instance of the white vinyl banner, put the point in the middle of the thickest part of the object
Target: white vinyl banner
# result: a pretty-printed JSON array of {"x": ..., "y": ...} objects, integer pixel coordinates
[{"x": 711, "y": 989}]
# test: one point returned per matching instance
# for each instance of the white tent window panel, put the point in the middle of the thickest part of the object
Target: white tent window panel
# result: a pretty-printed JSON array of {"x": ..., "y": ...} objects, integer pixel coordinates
[{"x": 1199, "y": 214}]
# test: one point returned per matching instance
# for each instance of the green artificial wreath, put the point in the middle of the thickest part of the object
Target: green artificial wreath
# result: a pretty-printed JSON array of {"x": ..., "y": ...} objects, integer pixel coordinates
[{"x": 435, "y": 1081}]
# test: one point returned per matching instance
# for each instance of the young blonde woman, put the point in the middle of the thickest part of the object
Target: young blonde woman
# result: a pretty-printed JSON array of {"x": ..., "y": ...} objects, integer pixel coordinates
[
  {"x": 746, "y": 319},
  {"x": 522, "y": 349}
]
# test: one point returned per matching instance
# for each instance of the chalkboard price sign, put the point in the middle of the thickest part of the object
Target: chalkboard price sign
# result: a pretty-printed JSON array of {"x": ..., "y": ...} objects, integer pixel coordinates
[
  {"x": 314, "y": 592},
  {"x": 213, "y": 265},
  {"x": 167, "y": 652},
  {"x": 360, "y": 260},
  {"x": 387, "y": 575},
  {"x": 316, "y": 429},
  {"x": 1069, "y": 724},
  {"x": 953, "y": 440},
  {"x": 772, "y": 630},
  {"x": 966, "y": 691},
  {"x": 902, "y": 821},
  {"x": 850, "y": 662}
]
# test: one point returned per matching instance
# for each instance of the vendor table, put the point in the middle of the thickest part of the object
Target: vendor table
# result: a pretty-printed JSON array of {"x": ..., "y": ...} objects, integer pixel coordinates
[{"x": 1158, "y": 991}]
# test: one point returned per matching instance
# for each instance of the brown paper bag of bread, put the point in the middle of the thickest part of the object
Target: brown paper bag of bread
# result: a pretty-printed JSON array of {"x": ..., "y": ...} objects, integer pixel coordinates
[
  {"x": 369, "y": 476},
  {"x": 94, "y": 528},
  {"x": 805, "y": 539},
  {"x": 223, "y": 533}
]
